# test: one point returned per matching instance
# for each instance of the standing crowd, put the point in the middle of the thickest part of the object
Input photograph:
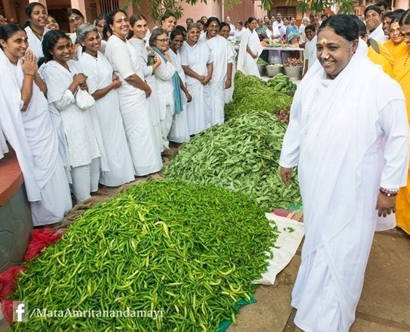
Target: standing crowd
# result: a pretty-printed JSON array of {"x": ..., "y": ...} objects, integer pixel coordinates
[{"x": 101, "y": 106}]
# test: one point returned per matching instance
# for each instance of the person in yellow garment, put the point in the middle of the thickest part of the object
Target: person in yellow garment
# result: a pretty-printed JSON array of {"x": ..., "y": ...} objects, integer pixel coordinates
[
  {"x": 401, "y": 73},
  {"x": 376, "y": 51},
  {"x": 396, "y": 45}
]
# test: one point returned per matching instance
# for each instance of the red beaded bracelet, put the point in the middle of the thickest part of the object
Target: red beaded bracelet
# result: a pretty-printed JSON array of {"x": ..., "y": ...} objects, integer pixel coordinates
[{"x": 387, "y": 192}]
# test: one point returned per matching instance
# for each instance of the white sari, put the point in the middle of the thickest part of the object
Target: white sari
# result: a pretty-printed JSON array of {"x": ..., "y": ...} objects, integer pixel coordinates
[
  {"x": 335, "y": 137},
  {"x": 246, "y": 63}
]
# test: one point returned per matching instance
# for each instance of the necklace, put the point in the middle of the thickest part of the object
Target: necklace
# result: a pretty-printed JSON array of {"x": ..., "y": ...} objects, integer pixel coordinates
[
  {"x": 38, "y": 34},
  {"x": 407, "y": 57}
]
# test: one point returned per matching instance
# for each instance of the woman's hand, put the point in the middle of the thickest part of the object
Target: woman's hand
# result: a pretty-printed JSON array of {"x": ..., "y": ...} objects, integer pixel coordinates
[
  {"x": 286, "y": 175},
  {"x": 84, "y": 86},
  {"x": 254, "y": 56},
  {"x": 79, "y": 79},
  {"x": 385, "y": 205},
  {"x": 206, "y": 80},
  {"x": 29, "y": 64},
  {"x": 147, "y": 90},
  {"x": 228, "y": 83},
  {"x": 167, "y": 57},
  {"x": 188, "y": 96},
  {"x": 116, "y": 82}
]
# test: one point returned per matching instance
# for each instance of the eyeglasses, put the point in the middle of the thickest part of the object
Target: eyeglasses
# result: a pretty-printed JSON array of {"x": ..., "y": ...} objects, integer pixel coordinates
[
  {"x": 163, "y": 40},
  {"x": 405, "y": 34},
  {"x": 74, "y": 19}
]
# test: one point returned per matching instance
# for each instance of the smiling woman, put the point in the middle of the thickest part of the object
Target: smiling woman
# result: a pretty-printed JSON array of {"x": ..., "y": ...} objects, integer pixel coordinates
[
  {"x": 343, "y": 110},
  {"x": 36, "y": 26},
  {"x": 374, "y": 24}
]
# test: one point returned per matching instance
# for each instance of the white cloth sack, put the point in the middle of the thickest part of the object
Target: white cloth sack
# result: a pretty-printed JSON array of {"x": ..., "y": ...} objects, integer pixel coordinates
[
  {"x": 84, "y": 100},
  {"x": 288, "y": 241}
]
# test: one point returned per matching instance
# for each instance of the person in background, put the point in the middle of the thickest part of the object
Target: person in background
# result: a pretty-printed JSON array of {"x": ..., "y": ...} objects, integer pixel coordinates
[
  {"x": 3, "y": 20},
  {"x": 401, "y": 73},
  {"x": 188, "y": 21},
  {"x": 396, "y": 45},
  {"x": 35, "y": 27},
  {"x": 75, "y": 19},
  {"x": 224, "y": 31},
  {"x": 137, "y": 38},
  {"x": 231, "y": 27},
  {"x": 179, "y": 132},
  {"x": 239, "y": 31},
  {"x": 223, "y": 56},
  {"x": 102, "y": 85},
  {"x": 168, "y": 21},
  {"x": 167, "y": 81},
  {"x": 323, "y": 18},
  {"x": 197, "y": 65},
  {"x": 314, "y": 19},
  {"x": 348, "y": 126},
  {"x": 374, "y": 23},
  {"x": 310, "y": 48},
  {"x": 52, "y": 24},
  {"x": 266, "y": 20},
  {"x": 134, "y": 93},
  {"x": 261, "y": 30},
  {"x": 100, "y": 23},
  {"x": 292, "y": 31},
  {"x": 64, "y": 78},
  {"x": 200, "y": 26},
  {"x": 384, "y": 7},
  {"x": 361, "y": 17},
  {"x": 28, "y": 126},
  {"x": 386, "y": 23},
  {"x": 377, "y": 52},
  {"x": 204, "y": 19},
  {"x": 249, "y": 50},
  {"x": 277, "y": 21}
]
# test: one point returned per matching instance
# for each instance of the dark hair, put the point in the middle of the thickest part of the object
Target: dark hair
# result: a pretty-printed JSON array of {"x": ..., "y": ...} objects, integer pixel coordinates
[
  {"x": 361, "y": 26},
  {"x": 189, "y": 18},
  {"x": 399, "y": 12},
  {"x": 73, "y": 11},
  {"x": 100, "y": 17},
  {"x": 405, "y": 18},
  {"x": 29, "y": 10},
  {"x": 8, "y": 30},
  {"x": 176, "y": 32},
  {"x": 383, "y": 3},
  {"x": 166, "y": 15},
  {"x": 212, "y": 19},
  {"x": 50, "y": 39},
  {"x": 134, "y": 18},
  {"x": 110, "y": 18},
  {"x": 154, "y": 35},
  {"x": 373, "y": 7},
  {"x": 181, "y": 28},
  {"x": 343, "y": 25},
  {"x": 239, "y": 22},
  {"x": 105, "y": 32},
  {"x": 224, "y": 24},
  {"x": 250, "y": 19},
  {"x": 310, "y": 27}
]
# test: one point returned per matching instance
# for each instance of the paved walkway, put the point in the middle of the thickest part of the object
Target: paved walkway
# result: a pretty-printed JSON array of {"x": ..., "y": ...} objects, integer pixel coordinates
[{"x": 385, "y": 301}]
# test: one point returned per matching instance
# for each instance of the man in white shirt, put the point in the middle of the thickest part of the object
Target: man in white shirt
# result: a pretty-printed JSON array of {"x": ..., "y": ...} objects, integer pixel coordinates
[
  {"x": 278, "y": 23},
  {"x": 232, "y": 26},
  {"x": 310, "y": 48}
]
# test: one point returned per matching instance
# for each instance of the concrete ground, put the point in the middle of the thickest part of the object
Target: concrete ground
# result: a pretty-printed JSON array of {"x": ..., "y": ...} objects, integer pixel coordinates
[{"x": 384, "y": 305}]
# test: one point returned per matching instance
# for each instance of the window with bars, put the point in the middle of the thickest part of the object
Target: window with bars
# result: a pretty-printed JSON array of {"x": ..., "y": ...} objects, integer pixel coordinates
[{"x": 286, "y": 11}]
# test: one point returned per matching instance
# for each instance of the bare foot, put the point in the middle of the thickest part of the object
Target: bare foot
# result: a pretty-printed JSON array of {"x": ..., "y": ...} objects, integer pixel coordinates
[{"x": 100, "y": 192}]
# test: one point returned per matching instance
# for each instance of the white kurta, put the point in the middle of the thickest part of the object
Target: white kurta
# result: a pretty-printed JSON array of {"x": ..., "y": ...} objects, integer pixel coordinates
[
  {"x": 163, "y": 78},
  {"x": 153, "y": 100},
  {"x": 196, "y": 58},
  {"x": 179, "y": 132},
  {"x": 221, "y": 55},
  {"x": 335, "y": 138},
  {"x": 246, "y": 63},
  {"x": 229, "y": 92},
  {"x": 310, "y": 52},
  {"x": 134, "y": 107},
  {"x": 34, "y": 129},
  {"x": 3, "y": 144},
  {"x": 378, "y": 34},
  {"x": 34, "y": 43},
  {"x": 107, "y": 113}
]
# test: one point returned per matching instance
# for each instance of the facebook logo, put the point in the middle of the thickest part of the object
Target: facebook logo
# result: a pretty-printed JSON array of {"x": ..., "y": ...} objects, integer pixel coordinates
[{"x": 20, "y": 311}]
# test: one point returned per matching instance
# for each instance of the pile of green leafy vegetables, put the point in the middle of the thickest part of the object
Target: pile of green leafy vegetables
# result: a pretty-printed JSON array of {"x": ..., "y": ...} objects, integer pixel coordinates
[
  {"x": 252, "y": 93},
  {"x": 162, "y": 256},
  {"x": 241, "y": 155}
]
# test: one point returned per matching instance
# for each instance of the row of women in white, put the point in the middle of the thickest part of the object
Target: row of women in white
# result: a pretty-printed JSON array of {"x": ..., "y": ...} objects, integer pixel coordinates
[{"x": 139, "y": 106}]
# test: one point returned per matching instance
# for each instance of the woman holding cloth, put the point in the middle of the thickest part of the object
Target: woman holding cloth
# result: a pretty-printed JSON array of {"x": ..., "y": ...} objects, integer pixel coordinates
[
  {"x": 249, "y": 50},
  {"x": 133, "y": 94},
  {"x": 102, "y": 85},
  {"x": 348, "y": 135},
  {"x": 28, "y": 126}
]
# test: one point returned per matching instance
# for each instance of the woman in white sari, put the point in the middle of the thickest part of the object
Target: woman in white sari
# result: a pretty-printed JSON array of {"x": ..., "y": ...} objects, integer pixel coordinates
[
  {"x": 249, "y": 50},
  {"x": 223, "y": 56},
  {"x": 197, "y": 64},
  {"x": 137, "y": 38},
  {"x": 103, "y": 84},
  {"x": 27, "y": 124},
  {"x": 63, "y": 79},
  {"x": 224, "y": 31},
  {"x": 133, "y": 94},
  {"x": 36, "y": 26},
  {"x": 348, "y": 135}
]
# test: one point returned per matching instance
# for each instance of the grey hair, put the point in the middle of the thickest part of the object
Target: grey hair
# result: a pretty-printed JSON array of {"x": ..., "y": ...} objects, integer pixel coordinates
[
  {"x": 84, "y": 29},
  {"x": 193, "y": 25}
]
